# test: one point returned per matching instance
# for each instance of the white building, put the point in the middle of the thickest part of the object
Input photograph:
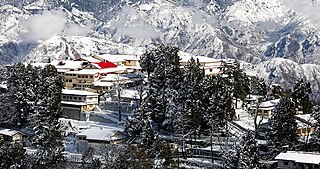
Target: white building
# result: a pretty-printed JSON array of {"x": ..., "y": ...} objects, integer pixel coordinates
[
  {"x": 77, "y": 102},
  {"x": 298, "y": 160}
]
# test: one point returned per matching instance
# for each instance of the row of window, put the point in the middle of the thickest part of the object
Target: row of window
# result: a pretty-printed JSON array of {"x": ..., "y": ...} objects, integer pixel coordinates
[
  {"x": 81, "y": 76},
  {"x": 72, "y": 98}
]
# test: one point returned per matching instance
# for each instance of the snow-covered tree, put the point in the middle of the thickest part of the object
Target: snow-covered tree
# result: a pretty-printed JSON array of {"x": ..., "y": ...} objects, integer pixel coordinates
[
  {"x": 48, "y": 139},
  {"x": 300, "y": 96},
  {"x": 12, "y": 155},
  {"x": 190, "y": 105},
  {"x": 231, "y": 157},
  {"x": 283, "y": 127},
  {"x": 249, "y": 158},
  {"x": 315, "y": 136},
  {"x": 163, "y": 85}
]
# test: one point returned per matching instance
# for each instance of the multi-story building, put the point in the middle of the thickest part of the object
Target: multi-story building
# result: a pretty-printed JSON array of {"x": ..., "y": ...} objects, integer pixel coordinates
[{"x": 76, "y": 102}]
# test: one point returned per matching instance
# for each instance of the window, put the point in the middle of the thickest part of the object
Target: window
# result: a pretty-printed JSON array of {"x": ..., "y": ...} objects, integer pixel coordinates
[
  {"x": 87, "y": 76},
  {"x": 79, "y": 98},
  {"x": 285, "y": 163},
  {"x": 129, "y": 61},
  {"x": 91, "y": 77},
  {"x": 79, "y": 76},
  {"x": 210, "y": 70},
  {"x": 64, "y": 97}
]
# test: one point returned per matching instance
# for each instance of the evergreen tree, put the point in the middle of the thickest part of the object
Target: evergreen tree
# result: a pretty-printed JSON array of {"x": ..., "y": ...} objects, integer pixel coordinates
[
  {"x": 236, "y": 78},
  {"x": 258, "y": 86},
  {"x": 283, "y": 133},
  {"x": 12, "y": 155},
  {"x": 48, "y": 139},
  {"x": 163, "y": 85},
  {"x": 148, "y": 60},
  {"x": 300, "y": 97},
  {"x": 249, "y": 158},
  {"x": 231, "y": 157},
  {"x": 190, "y": 106},
  {"x": 315, "y": 136}
]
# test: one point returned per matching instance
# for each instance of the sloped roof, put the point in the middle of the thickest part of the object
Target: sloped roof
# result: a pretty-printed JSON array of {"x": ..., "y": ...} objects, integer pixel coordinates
[
  {"x": 9, "y": 132},
  {"x": 104, "y": 65},
  {"x": 300, "y": 157}
]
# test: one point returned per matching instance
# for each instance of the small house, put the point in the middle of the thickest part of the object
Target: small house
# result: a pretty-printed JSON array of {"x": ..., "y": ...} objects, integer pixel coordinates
[
  {"x": 298, "y": 160},
  {"x": 265, "y": 108},
  {"x": 10, "y": 135}
]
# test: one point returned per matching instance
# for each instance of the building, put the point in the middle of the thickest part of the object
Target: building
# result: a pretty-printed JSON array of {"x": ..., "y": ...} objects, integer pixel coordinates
[
  {"x": 298, "y": 160},
  {"x": 76, "y": 102},
  {"x": 265, "y": 108},
  {"x": 81, "y": 79},
  {"x": 98, "y": 136},
  {"x": 106, "y": 82},
  {"x": 306, "y": 125},
  {"x": 10, "y": 135}
]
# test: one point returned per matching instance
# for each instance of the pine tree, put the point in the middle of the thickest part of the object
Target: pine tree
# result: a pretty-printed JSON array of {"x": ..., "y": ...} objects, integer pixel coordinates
[
  {"x": 315, "y": 136},
  {"x": 190, "y": 101},
  {"x": 300, "y": 97},
  {"x": 283, "y": 134},
  {"x": 12, "y": 155},
  {"x": 163, "y": 85},
  {"x": 48, "y": 139},
  {"x": 249, "y": 158},
  {"x": 231, "y": 157}
]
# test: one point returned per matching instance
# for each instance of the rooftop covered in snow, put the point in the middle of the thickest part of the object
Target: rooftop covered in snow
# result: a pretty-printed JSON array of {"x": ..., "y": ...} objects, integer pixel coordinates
[
  {"x": 78, "y": 92},
  {"x": 300, "y": 157}
]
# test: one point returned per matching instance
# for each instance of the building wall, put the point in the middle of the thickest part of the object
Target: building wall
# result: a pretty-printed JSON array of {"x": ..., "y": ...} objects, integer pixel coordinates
[
  {"x": 131, "y": 63},
  {"x": 71, "y": 112},
  {"x": 286, "y": 164}
]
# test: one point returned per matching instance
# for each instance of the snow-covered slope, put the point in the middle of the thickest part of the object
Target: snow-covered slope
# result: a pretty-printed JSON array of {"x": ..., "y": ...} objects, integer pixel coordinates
[
  {"x": 286, "y": 73},
  {"x": 249, "y": 30},
  {"x": 65, "y": 48}
]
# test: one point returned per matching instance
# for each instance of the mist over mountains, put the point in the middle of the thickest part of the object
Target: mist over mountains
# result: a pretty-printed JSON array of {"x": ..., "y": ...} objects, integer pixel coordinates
[{"x": 279, "y": 39}]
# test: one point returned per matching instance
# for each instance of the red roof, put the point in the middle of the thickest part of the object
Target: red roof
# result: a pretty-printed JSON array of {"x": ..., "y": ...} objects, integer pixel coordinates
[{"x": 104, "y": 65}]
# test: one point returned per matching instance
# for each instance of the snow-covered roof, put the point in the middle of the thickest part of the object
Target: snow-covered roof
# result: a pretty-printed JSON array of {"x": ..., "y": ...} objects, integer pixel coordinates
[
  {"x": 112, "y": 70},
  {"x": 98, "y": 83},
  {"x": 78, "y": 92},
  {"x": 113, "y": 78},
  {"x": 202, "y": 59},
  {"x": 100, "y": 133},
  {"x": 67, "y": 64},
  {"x": 112, "y": 58},
  {"x": 9, "y": 132},
  {"x": 307, "y": 118},
  {"x": 300, "y": 157},
  {"x": 269, "y": 103},
  {"x": 3, "y": 86},
  {"x": 84, "y": 72},
  {"x": 90, "y": 59}
]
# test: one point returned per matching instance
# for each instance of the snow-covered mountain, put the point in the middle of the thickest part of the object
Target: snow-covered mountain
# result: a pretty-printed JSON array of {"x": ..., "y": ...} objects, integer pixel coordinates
[{"x": 256, "y": 31}]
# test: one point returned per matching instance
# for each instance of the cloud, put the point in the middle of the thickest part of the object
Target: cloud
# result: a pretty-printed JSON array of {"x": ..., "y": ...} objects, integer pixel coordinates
[
  {"x": 144, "y": 31},
  {"x": 51, "y": 23},
  {"x": 304, "y": 8},
  {"x": 73, "y": 29},
  {"x": 45, "y": 25}
]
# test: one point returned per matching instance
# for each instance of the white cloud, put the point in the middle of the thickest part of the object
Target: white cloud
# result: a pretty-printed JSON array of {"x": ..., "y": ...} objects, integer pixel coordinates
[
  {"x": 51, "y": 23},
  {"x": 73, "y": 29},
  {"x": 144, "y": 31},
  {"x": 304, "y": 8},
  {"x": 45, "y": 25}
]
